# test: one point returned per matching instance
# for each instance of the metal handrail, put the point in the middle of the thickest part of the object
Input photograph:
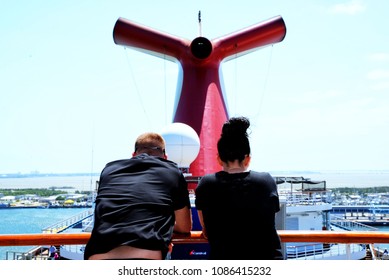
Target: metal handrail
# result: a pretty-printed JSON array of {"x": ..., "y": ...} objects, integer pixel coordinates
[
  {"x": 347, "y": 237},
  {"x": 351, "y": 225},
  {"x": 67, "y": 223}
]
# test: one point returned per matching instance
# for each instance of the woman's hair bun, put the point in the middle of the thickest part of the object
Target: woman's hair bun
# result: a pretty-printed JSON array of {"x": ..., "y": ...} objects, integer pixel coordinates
[
  {"x": 234, "y": 143},
  {"x": 236, "y": 127}
]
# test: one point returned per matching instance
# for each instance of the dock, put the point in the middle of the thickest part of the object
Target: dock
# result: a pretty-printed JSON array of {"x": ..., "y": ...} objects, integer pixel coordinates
[{"x": 72, "y": 222}]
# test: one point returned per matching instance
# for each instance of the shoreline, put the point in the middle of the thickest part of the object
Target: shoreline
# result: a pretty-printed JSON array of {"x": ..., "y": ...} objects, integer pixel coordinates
[
  {"x": 87, "y": 182},
  {"x": 44, "y": 207}
]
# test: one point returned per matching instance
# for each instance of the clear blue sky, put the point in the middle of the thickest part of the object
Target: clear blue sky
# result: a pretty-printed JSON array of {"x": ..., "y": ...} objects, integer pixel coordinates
[{"x": 71, "y": 100}]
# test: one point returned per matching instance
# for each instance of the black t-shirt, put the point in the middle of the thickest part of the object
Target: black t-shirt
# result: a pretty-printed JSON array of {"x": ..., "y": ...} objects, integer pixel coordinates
[
  {"x": 239, "y": 215},
  {"x": 135, "y": 204}
]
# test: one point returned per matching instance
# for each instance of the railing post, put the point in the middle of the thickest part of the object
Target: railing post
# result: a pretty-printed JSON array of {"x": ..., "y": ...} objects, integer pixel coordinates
[{"x": 348, "y": 251}]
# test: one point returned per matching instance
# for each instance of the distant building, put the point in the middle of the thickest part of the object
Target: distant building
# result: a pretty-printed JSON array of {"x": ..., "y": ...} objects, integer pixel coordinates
[{"x": 8, "y": 198}]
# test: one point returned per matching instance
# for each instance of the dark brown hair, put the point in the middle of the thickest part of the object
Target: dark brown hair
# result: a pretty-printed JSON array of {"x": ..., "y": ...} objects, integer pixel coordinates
[{"x": 234, "y": 143}]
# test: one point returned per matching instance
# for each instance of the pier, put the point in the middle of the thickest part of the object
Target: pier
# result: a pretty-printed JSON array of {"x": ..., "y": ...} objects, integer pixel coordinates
[{"x": 72, "y": 222}]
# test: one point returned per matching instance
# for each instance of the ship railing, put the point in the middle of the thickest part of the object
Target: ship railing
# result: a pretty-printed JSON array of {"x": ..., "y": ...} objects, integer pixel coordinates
[
  {"x": 35, "y": 253},
  {"x": 68, "y": 223},
  {"x": 350, "y": 225},
  {"x": 298, "y": 198},
  {"x": 364, "y": 239},
  {"x": 318, "y": 251}
]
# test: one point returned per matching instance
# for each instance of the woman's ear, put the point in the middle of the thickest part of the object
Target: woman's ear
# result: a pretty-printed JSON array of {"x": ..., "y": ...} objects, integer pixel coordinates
[
  {"x": 246, "y": 161},
  {"x": 219, "y": 160}
]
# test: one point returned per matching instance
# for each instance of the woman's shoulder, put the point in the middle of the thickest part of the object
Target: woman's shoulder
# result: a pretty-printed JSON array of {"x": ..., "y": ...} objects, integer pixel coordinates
[
  {"x": 208, "y": 177},
  {"x": 208, "y": 181},
  {"x": 261, "y": 174},
  {"x": 264, "y": 177}
]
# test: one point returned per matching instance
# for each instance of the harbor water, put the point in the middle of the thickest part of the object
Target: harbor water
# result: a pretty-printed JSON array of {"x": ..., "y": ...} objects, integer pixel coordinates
[
  {"x": 30, "y": 220},
  {"x": 18, "y": 221},
  {"x": 80, "y": 183}
]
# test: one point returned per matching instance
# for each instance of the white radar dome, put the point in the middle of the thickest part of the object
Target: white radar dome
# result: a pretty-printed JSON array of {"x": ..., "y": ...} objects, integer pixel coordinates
[{"x": 182, "y": 143}]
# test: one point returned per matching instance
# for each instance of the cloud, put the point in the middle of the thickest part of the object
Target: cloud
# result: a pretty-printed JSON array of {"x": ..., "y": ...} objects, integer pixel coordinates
[
  {"x": 381, "y": 86},
  {"x": 317, "y": 97},
  {"x": 349, "y": 8},
  {"x": 379, "y": 57},
  {"x": 378, "y": 75},
  {"x": 380, "y": 79}
]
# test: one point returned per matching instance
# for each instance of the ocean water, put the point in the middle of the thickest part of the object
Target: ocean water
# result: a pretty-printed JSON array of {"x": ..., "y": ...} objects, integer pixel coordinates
[
  {"x": 334, "y": 179},
  {"x": 18, "y": 221},
  {"x": 81, "y": 183}
]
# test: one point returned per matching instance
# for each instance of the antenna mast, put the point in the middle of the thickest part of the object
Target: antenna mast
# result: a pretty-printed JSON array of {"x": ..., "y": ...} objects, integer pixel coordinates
[{"x": 199, "y": 16}]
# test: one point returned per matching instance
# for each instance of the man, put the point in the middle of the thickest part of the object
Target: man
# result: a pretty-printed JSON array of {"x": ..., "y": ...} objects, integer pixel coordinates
[
  {"x": 52, "y": 251},
  {"x": 140, "y": 202}
]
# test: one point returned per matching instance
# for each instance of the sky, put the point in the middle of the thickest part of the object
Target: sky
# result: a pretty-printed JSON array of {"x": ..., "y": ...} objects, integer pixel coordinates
[{"x": 72, "y": 100}]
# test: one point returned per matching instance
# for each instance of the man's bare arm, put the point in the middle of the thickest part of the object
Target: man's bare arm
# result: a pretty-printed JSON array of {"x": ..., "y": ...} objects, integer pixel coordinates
[{"x": 183, "y": 220}]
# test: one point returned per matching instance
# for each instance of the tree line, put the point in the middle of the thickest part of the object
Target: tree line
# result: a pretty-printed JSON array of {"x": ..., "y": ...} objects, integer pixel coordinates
[{"x": 39, "y": 192}]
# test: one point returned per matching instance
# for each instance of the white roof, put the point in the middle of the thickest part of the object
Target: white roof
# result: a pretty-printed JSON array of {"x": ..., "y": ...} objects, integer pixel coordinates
[{"x": 8, "y": 197}]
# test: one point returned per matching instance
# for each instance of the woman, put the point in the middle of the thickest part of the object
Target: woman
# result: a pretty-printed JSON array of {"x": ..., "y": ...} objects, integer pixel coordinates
[{"x": 236, "y": 206}]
